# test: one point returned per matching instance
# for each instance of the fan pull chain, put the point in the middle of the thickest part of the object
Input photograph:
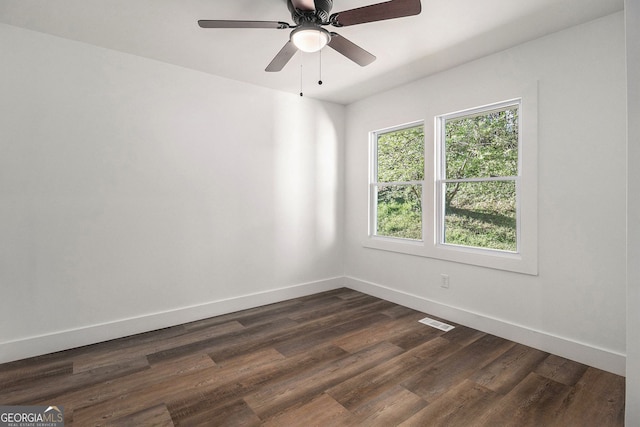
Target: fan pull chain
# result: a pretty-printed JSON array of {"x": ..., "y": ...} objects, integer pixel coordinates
[
  {"x": 320, "y": 79},
  {"x": 301, "y": 94}
]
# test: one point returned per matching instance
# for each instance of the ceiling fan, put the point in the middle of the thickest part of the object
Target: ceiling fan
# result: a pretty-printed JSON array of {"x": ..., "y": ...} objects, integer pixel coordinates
[{"x": 308, "y": 35}]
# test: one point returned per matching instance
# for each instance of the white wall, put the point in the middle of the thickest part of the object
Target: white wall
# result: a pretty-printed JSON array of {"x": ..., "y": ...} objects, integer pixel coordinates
[
  {"x": 576, "y": 305},
  {"x": 136, "y": 194},
  {"x": 632, "y": 14}
]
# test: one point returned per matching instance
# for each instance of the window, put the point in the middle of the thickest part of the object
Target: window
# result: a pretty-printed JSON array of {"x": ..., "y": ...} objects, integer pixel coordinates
[
  {"x": 460, "y": 186},
  {"x": 397, "y": 181},
  {"x": 477, "y": 177}
]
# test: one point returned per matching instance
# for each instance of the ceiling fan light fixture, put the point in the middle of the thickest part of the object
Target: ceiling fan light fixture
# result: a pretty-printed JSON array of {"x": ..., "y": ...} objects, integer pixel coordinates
[{"x": 310, "y": 39}]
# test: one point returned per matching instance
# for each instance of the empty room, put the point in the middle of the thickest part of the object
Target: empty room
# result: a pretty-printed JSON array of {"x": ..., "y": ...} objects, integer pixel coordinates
[{"x": 308, "y": 212}]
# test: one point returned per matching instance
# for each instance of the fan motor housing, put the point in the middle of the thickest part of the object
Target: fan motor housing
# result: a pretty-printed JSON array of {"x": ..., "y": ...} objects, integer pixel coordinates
[{"x": 320, "y": 15}]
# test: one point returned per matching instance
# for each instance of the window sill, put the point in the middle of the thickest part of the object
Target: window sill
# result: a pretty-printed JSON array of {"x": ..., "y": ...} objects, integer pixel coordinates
[{"x": 498, "y": 260}]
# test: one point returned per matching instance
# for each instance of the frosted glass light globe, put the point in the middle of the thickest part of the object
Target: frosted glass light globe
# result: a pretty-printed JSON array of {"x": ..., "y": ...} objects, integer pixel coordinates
[{"x": 310, "y": 39}]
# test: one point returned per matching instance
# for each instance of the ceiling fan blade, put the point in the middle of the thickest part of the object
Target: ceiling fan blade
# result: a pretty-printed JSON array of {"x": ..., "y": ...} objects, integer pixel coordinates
[
  {"x": 281, "y": 59},
  {"x": 376, "y": 12},
  {"x": 305, "y": 5},
  {"x": 204, "y": 23},
  {"x": 351, "y": 50}
]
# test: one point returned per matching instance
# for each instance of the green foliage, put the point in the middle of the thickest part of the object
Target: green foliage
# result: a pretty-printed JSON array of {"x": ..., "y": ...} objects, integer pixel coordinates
[
  {"x": 400, "y": 212},
  {"x": 480, "y": 230},
  {"x": 400, "y": 159},
  {"x": 401, "y": 155},
  {"x": 482, "y": 146},
  {"x": 483, "y": 215}
]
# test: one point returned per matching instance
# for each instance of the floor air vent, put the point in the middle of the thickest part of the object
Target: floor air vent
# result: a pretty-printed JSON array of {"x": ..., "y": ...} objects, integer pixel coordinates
[{"x": 436, "y": 324}]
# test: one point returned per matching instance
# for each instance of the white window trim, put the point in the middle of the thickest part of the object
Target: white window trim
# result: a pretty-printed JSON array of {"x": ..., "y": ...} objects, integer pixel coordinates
[
  {"x": 374, "y": 184},
  {"x": 525, "y": 260},
  {"x": 439, "y": 140}
]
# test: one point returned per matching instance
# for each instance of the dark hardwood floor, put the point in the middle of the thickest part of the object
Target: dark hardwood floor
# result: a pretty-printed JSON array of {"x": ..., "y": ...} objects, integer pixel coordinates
[{"x": 332, "y": 359}]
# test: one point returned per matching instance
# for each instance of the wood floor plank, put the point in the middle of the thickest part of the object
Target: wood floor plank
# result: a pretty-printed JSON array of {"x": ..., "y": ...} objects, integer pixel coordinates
[
  {"x": 157, "y": 416},
  {"x": 237, "y": 380},
  {"x": 597, "y": 399},
  {"x": 346, "y": 294},
  {"x": 278, "y": 396},
  {"x": 437, "y": 379},
  {"x": 253, "y": 340},
  {"x": 390, "y": 408},
  {"x": 121, "y": 401},
  {"x": 462, "y": 335},
  {"x": 535, "y": 401},
  {"x": 266, "y": 311},
  {"x": 364, "y": 303},
  {"x": 188, "y": 338},
  {"x": 127, "y": 343},
  {"x": 386, "y": 330},
  {"x": 415, "y": 336},
  {"x": 51, "y": 387},
  {"x": 459, "y": 406},
  {"x": 21, "y": 374},
  {"x": 322, "y": 410},
  {"x": 352, "y": 392},
  {"x": 115, "y": 388},
  {"x": 338, "y": 358},
  {"x": 222, "y": 344},
  {"x": 509, "y": 369},
  {"x": 331, "y": 333},
  {"x": 232, "y": 414},
  {"x": 561, "y": 370},
  {"x": 276, "y": 312},
  {"x": 398, "y": 311}
]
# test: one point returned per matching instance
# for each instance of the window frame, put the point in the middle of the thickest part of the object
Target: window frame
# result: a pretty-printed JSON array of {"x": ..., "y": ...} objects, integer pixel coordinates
[
  {"x": 374, "y": 184},
  {"x": 525, "y": 260},
  {"x": 441, "y": 179}
]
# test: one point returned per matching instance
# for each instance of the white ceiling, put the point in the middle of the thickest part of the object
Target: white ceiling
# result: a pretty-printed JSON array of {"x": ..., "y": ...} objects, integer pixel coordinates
[{"x": 445, "y": 34}]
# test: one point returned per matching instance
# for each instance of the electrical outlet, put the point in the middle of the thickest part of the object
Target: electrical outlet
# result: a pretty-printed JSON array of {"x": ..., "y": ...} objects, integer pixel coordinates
[{"x": 444, "y": 281}]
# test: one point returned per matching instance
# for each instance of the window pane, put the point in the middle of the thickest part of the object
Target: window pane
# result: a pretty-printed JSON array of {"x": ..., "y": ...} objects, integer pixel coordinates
[
  {"x": 399, "y": 212},
  {"x": 482, "y": 146},
  {"x": 481, "y": 214},
  {"x": 401, "y": 155}
]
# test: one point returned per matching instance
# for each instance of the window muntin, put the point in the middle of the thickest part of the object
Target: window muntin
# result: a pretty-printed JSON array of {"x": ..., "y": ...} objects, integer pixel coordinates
[
  {"x": 397, "y": 181},
  {"x": 477, "y": 178}
]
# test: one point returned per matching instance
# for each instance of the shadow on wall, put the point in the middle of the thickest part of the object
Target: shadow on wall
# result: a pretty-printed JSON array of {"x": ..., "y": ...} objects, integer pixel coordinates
[{"x": 306, "y": 202}]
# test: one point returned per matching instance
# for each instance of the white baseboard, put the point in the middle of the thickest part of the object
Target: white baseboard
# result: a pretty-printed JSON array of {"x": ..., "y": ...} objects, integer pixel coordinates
[
  {"x": 580, "y": 352},
  {"x": 63, "y": 340}
]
